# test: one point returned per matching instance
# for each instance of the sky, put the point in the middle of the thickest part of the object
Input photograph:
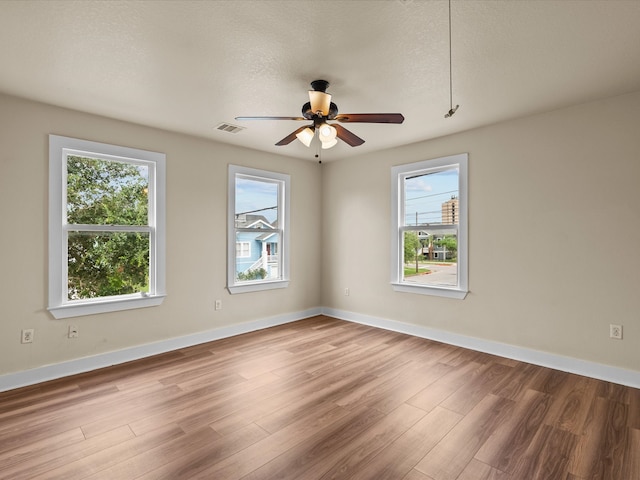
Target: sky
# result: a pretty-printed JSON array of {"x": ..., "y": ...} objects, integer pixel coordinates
[
  {"x": 425, "y": 195},
  {"x": 254, "y": 195}
]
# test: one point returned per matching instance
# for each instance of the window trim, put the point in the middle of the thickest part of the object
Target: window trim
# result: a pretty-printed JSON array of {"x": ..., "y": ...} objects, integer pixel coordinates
[
  {"x": 58, "y": 304},
  {"x": 283, "y": 228},
  {"x": 398, "y": 174}
]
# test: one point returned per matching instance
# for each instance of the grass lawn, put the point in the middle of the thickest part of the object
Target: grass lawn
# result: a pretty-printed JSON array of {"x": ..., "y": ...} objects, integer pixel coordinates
[{"x": 409, "y": 271}]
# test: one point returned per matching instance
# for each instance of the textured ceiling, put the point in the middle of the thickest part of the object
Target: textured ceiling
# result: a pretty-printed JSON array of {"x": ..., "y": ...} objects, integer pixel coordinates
[{"x": 187, "y": 66}]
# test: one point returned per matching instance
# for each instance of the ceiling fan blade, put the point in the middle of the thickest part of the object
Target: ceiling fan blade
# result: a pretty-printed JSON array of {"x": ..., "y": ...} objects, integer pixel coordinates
[
  {"x": 347, "y": 136},
  {"x": 290, "y": 138},
  {"x": 271, "y": 118},
  {"x": 370, "y": 118}
]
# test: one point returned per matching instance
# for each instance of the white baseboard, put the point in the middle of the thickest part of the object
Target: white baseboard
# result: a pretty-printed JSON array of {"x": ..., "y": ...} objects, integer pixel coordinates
[
  {"x": 630, "y": 378},
  {"x": 86, "y": 364},
  {"x": 608, "y": 373}
]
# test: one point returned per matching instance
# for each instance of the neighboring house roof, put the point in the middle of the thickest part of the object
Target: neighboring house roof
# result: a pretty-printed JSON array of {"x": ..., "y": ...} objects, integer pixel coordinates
[
  {"x": 252, "y": 221},
  {"x": 257, "y": 221},
  {"x": 265, "y": 236}
]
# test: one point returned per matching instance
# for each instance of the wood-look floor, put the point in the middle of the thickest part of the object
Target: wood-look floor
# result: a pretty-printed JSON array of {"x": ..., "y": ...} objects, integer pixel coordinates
[{"x": 322, "y": 399}]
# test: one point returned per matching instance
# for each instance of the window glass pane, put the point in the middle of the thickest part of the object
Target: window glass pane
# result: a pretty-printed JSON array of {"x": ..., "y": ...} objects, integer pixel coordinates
[
  {"x": 102, "y": 192},
  {"x": 430, "y": 254},
  {"x": 430, "y": 257},
  {"x": 107, "y": 263},
  {"x": 263, "y": 262},
  {"x": 431, "y": 198},
  {"x": 256, "y": 203}
]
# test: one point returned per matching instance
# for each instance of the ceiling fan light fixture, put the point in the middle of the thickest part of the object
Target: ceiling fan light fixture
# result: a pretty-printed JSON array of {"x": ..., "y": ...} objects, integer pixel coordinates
[
  {"x": 329, "y": 143},
  {"x": 327, "y": 133},
  {"x": 320, "y": 102},
  {"x": 305, "y": 136}
]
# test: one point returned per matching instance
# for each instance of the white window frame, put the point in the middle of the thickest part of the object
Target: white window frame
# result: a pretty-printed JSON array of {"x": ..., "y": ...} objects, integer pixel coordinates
[
  {"x": 59, "y": 304},
  {"x": 398, "y": 175},
  {"x": 282, "y": 230}
]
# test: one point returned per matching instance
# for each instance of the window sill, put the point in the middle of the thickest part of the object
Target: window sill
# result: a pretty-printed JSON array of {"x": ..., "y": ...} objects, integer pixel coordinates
[
  {"x": 435, "y": 291},
  {"x": 104, "y": 306},
  {"x": 258, "y": 286}
]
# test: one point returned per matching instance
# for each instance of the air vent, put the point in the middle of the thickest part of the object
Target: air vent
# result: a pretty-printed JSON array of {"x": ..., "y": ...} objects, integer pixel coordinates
[{"x": 227, "y": 127}]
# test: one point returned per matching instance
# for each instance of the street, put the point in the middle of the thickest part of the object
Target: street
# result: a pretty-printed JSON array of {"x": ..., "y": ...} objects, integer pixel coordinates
[{"x": 441, "y": 275}]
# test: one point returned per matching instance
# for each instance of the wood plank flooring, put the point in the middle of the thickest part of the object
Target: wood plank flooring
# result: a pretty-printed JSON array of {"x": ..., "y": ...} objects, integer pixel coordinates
[{"x": 322, "y": 399}]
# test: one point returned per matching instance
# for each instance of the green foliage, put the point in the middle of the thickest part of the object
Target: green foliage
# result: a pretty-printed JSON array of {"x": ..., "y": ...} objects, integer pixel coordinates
[
  {"x": 411, "y": 246},
  {"x": 257, "y": 274},
  {"x": 103, "y": 264},
  {"x": 100, "y": 192},
  {"x": 450, "y": 243}
]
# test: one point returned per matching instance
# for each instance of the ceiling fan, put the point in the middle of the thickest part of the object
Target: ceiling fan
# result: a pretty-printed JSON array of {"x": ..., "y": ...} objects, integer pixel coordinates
[{"x": 319, "y": 109}]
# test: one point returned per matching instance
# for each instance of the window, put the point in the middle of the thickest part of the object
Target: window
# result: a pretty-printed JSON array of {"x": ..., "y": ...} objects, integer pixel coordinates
[
  {"x": 429, "y": 240},
  {"x": 106, "y": 227},
  {"x": 243, "y": 250},
  {"x": 258, "y": 230}
]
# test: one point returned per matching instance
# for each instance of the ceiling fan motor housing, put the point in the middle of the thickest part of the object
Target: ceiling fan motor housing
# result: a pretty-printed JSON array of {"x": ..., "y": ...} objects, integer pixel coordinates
[
  {"x": 309, "y": 114},
  {"x": 320, "y": 85}
]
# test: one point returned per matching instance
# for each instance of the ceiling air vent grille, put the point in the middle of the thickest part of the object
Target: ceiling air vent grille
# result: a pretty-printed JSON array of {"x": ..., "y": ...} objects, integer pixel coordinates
[{"x": 227, "y": 127}]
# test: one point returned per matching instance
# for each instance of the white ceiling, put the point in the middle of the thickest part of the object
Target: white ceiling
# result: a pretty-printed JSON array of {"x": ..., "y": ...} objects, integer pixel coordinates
[{"x": 187, "y": 66}]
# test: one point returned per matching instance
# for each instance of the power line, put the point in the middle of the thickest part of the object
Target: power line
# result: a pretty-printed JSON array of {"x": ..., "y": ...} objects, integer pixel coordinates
[
  {"x": 431, "y": 195},
  {"x": 258, "y": 210},
  {"x": 428, "y": 212}
]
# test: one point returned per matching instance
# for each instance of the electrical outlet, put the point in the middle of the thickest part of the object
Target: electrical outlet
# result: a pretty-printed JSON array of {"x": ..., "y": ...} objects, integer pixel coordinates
[
  {"x": 218, "y": 305},
  {"x": 73, "y": 331},
  {"x": 27, "y": 335},
  {"x": 346, "y": 292},
  {"x": 615, "y": 331}
]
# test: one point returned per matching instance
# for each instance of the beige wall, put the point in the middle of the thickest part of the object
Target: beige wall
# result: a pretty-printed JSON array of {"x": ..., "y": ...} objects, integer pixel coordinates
[
  {"x": 554, "y": 233},
  {"x": 196, "y": 239}
]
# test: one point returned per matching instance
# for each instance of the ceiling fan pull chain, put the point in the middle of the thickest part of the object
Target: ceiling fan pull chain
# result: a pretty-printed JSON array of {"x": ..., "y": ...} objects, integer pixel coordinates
[{"x": 451, "y": 109}]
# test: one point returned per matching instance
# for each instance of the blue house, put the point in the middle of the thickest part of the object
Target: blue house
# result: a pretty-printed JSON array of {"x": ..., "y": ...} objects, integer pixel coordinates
[{"x": 256, "y": 250}]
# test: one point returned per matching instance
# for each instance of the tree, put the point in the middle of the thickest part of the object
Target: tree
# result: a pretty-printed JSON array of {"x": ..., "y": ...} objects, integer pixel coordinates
[
  {"x": 101, "y": 192},
  {"x": 450, "y": 243},
  {"x": 411, "y": 247}
]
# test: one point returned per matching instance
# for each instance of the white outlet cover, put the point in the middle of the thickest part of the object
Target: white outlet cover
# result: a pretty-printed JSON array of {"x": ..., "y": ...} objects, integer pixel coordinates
[
  {"x": 615, "y": 331},
  {"x": 27, "y": 335}
]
